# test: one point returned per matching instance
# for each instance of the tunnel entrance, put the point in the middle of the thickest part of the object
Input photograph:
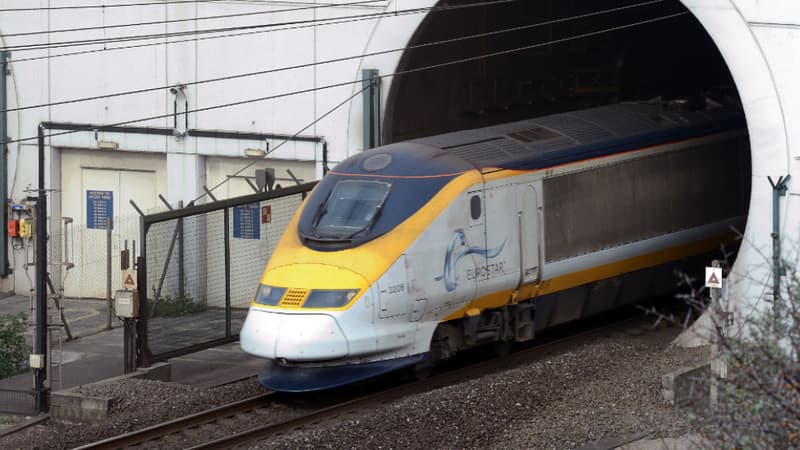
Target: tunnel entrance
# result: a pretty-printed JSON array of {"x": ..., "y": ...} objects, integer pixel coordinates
[{"x": 670, "y": 58}]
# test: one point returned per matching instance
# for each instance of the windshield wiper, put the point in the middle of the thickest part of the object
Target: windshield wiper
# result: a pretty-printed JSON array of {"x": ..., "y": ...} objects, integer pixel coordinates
[
  {"x": 327, "y": 239},
  {"x": 372, "y": 220}
]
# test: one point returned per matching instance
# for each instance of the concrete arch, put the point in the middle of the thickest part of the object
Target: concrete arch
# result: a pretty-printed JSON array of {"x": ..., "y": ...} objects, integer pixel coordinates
[
  {"x": 733, "y": 34},
  {"x": 393, "y": 32},
  {"x": 770, "y": 153}
]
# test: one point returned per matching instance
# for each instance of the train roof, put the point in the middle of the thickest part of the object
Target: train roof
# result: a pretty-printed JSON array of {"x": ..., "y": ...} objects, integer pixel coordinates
[{"x": 548, "y": 141}]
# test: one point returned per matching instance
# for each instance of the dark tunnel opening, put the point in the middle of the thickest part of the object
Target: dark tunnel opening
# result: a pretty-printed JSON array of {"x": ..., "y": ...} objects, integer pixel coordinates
[{"x": 670, "y": 58}]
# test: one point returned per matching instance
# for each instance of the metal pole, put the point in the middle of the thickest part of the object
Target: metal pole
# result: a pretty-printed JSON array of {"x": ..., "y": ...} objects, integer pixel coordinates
[
  {"x": 138, "y": 335},
  {"x": 4, "y": 269},
  {"x": 324, "y": 157},
  {"x": 227, "y": 240},
  {"x": 40, "y": 341},
  {"x": 109, "y": 303},
  {"x": 779, "y": 189},
  {"x": 371, "y": 82},
  {"x": 181, "y": 271},
  {"x": 718, "y": 367}
]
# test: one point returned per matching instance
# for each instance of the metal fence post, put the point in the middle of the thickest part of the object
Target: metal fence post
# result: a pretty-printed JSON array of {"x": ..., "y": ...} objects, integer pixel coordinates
[
  {"x": 109, "y": 227},
  {"x": 718, "y": 365},
  {"x": 4, "y": 267},
  {"x": 779, "y": 189},
  {"x": 227, "y": 240},
  {"x": 40, "y": 339}
]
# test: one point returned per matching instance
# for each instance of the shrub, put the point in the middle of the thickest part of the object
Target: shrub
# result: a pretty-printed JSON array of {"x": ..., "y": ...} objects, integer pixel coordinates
[
  {"x": 13, "y": 349},
  {"x": 169, "y": 306},
  {"x": 759, "y": 400}
]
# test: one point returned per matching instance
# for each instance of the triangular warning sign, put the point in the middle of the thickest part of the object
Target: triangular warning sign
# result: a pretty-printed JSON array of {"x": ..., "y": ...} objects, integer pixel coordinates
[
  {"x": 713, "y": 279},
  {"x": 129, "y": 281}
]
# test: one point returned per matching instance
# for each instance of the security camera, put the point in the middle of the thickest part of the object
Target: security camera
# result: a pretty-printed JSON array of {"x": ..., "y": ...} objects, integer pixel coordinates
[{"x": 173, "y": 91}]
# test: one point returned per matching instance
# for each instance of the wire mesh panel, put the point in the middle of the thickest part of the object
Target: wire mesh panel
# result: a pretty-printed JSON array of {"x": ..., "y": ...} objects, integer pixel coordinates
[
  {"x": 184, "y": 258},
  {"x": 17, "y": 402},
  {"x": 202, "y": 266},
  {"x": 86, "y": 249},
  {"x": 250, "y": 251}
]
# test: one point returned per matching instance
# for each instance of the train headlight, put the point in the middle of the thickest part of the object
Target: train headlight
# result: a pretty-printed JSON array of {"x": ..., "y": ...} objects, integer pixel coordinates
[
  {"x": 325, "y": 298},
  {"x": 269, "y": 295}
]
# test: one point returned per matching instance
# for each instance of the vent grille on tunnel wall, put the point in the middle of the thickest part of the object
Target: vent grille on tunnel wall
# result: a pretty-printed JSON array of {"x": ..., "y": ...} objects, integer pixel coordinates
[{"x": 294, "y": 298}]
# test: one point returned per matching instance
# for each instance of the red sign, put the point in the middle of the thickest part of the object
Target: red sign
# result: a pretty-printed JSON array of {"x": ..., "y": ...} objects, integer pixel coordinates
[{"x": 266, "y": 214}]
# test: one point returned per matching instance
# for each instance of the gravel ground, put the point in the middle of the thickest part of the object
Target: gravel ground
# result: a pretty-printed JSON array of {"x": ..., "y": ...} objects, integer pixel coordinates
[
  {"x": 138, "y": 403},
  {"x": 610, "y": 387},
  {"x": 605, "y": 389}
]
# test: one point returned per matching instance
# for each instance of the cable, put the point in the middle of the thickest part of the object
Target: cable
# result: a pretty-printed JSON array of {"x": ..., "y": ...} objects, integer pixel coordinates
[
  {"x": 342, "y": 59},
  {"x": 126, "y": 47},
  {"x": 103, "y": 6},
  {"x": 76, "y": 43},
  {"x": 196, "y": 39},
  {"x": 123, "y": 5},
  {"x": 329, "y": 112},
  {"x": 402, "y": 72},
  {"x": 194, "y": 19}
]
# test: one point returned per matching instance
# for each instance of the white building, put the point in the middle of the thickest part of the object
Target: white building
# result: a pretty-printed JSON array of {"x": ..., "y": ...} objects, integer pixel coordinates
[{"x": 181, "y": 45}]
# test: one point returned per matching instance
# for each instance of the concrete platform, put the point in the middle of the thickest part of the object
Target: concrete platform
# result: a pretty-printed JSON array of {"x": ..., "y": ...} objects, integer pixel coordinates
[{"x": 96, "y": 353}]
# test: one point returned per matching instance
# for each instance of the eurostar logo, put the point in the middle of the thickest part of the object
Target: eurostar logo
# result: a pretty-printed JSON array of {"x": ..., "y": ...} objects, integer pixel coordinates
[{"x": 457, "y": 249}]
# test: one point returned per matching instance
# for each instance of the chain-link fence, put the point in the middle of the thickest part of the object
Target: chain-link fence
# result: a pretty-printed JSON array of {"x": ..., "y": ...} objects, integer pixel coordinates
[{"x": 202, "y": 265}]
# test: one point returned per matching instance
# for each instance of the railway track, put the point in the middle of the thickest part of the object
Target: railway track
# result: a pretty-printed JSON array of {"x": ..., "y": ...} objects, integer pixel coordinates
[{"x": 155, "y": 435}]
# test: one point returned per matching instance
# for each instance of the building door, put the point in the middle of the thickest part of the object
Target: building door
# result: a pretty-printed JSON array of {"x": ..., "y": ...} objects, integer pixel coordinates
[{"x": 104, "y": 194}]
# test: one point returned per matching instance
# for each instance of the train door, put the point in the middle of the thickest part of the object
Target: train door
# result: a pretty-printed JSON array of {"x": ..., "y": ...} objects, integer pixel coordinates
[
  {"x": 498, "y": 265},
  {"x": 529, "y": 234},
  {"x": 468, "y": 234}
]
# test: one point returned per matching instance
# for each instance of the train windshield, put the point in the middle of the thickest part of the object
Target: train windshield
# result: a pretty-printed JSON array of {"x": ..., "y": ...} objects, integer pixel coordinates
[{"x": 351, "y": 208}]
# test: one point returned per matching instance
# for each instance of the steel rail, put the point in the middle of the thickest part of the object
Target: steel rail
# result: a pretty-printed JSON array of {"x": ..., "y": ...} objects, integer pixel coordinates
[{"x": 180, "y": 424}]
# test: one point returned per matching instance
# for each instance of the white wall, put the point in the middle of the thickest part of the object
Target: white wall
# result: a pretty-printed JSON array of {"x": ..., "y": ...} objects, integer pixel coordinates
[
  {"x": 190, "y": 162},
  {"x": 107, "y": 72}
]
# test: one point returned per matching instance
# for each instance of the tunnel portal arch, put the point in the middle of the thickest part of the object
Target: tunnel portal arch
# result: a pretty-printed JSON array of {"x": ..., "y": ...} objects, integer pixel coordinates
[{"x": 722, "y": 26}]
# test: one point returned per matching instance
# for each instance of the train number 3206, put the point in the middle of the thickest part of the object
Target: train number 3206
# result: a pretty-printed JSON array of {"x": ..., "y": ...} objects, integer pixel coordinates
[{"x": 396, "y": 288}]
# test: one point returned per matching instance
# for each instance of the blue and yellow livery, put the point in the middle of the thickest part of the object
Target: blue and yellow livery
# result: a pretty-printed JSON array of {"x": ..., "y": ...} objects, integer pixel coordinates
[{"x": 406, "y": 254}]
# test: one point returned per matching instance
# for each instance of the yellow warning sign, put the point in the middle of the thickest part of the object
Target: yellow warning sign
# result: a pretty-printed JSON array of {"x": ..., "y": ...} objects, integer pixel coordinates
[{"x": 129, "y": 279}]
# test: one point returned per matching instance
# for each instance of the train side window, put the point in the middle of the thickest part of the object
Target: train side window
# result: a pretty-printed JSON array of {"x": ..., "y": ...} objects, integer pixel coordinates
[{"x": 475, "y": 207}]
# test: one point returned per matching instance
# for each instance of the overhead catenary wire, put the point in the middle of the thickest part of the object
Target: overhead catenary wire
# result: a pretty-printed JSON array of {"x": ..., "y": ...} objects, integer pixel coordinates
[
  {"x": 222, "y": 36},
  {"x": 126, "y": 5},
  {"x": 165, "y": 35},
  {"x": 390, "y": 75},
  {"x": 193, "y": 19},
  {"x": 341, "y": 59}
]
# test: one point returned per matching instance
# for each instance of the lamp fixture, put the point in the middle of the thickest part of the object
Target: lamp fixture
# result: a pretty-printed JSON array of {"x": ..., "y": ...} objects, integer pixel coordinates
[
  {"x": 107, "y": 145},
  {"x": 254, "y": 152}
]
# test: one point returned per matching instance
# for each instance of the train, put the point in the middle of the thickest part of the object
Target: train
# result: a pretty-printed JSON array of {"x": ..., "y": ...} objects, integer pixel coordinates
[{"x": 409, "y": 253}]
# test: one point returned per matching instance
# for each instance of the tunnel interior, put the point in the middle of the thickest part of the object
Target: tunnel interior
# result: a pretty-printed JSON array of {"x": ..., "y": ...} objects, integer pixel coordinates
[
  {"x": 586, "y": 53},
  {"x": 581, "y": 53}
]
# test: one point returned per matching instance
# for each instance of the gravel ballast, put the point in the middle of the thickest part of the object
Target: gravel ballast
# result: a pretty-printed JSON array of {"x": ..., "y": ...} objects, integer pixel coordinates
[
  {"x": 608, "y": 387},
  {"x": 605, "y": 389}
]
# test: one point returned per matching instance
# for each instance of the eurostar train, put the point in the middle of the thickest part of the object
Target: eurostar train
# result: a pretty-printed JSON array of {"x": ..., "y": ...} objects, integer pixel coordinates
[{"x": 408, "y": 253}]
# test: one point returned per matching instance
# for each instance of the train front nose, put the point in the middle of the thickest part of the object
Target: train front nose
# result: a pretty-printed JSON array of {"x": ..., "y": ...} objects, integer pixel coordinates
[
  {"x": 297, "y": 312},
  {"x": 293, "y": 337}
]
